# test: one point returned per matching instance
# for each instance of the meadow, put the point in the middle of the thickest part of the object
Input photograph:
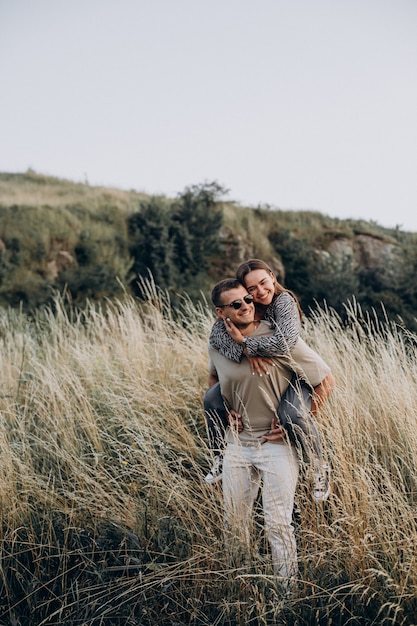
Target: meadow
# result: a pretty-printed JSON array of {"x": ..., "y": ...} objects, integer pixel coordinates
[{"x": 105, "y": 516}]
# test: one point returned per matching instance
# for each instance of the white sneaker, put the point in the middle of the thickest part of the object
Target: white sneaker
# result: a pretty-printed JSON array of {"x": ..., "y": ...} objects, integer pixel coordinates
[
  {"x": 216, "y": 472},
  {"x": 321, "y": 483}
]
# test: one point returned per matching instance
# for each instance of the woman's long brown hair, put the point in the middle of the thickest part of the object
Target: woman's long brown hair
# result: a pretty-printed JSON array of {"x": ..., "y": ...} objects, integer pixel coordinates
[{"x": 257, "y": 264}]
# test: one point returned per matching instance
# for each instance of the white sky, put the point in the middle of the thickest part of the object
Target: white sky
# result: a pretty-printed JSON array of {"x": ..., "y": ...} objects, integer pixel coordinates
[{"x": 302, "y": 104}]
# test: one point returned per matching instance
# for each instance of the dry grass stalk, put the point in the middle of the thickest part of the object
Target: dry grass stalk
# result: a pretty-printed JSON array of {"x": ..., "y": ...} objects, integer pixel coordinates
[{"x": 105, "y": 515}]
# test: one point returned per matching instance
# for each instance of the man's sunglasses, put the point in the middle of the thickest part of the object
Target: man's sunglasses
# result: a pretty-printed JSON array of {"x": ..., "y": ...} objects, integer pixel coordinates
[{"x": 236, "y": 304}]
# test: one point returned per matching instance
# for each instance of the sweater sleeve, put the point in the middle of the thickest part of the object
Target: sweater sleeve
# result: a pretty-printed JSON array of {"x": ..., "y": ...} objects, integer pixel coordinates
[
  {"x": 223, "y": 342},
  {"x": 283, "y": 315}
]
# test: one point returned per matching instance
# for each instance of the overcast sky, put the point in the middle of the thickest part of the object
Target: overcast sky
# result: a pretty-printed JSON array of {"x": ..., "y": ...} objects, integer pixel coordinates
[{"x": 300, "y": 104}]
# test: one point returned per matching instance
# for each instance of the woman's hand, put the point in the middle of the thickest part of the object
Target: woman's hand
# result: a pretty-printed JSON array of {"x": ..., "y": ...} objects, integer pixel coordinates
[
  {"x": 235, "y": 421},
  {"x": 258, "y": 364},
  {"x": 233, "y": 331},
  {"x": 276, "y": 433}
]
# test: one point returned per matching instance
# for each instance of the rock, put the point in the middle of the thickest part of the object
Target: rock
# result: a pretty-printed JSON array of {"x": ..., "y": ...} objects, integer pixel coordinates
[
  {"x": 61, "y": 261},
  {"x": 365, "y": 252}
]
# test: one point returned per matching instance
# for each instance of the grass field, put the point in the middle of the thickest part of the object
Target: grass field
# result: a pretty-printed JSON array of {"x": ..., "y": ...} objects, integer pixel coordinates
[{"x": 106, "y": 519}]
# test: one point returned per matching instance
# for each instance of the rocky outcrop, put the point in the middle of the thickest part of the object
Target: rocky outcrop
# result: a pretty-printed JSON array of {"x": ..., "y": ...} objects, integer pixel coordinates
[{"x": 366, "y": 252}]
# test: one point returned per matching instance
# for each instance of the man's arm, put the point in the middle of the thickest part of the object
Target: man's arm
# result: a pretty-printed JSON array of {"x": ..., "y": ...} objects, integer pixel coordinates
[
  {"x": 235, "y": 419},
  {"x": 212, "y": 380},
  {"x": 322, "y": 392}
]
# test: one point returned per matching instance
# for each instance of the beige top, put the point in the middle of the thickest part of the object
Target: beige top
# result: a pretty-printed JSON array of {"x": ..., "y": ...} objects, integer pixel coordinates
[{"x": 256, "y": 398}]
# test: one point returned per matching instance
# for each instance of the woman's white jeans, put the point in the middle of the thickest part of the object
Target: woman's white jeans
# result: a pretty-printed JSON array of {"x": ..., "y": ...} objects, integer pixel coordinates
[{"x": 276, "y": 466}]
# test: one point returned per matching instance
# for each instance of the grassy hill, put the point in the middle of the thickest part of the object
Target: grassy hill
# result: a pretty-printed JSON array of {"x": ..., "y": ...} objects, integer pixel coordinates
[{"x": 96, "y": 243}]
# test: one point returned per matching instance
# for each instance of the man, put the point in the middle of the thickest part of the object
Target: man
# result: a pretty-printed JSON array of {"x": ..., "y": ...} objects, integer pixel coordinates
[{"x": 256, "y": 449}]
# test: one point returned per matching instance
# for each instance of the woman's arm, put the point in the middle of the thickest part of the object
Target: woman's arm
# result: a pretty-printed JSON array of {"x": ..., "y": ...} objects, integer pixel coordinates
[{"x": 284, "y": 316}]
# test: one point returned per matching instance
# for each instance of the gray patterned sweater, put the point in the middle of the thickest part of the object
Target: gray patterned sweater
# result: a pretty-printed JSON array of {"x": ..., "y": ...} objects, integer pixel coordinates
[{"x": 283, "y": 316}]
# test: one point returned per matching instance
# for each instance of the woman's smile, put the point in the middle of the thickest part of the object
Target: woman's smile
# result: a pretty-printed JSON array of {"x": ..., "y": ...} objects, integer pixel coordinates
[{"x": 261, "y": 285}]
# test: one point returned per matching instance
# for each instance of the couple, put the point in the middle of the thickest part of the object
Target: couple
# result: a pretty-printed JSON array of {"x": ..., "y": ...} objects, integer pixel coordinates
[{"x": 242, "y": 343}]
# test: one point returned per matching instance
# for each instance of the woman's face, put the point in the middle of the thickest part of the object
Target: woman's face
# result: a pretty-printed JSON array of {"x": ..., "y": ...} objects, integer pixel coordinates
[{"x": 261, "y": 284}]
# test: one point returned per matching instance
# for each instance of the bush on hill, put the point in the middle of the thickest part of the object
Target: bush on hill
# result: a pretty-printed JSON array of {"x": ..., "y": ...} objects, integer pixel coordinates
[{"x": 175, "y": 242}]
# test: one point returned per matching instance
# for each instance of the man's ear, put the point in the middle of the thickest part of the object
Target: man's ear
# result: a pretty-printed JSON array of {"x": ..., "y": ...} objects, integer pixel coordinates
[{"x": 220, "y": 312}]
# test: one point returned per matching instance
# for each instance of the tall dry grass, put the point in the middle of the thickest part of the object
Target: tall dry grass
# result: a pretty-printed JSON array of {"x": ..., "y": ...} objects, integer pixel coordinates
[{"x": 105, "y": 515}]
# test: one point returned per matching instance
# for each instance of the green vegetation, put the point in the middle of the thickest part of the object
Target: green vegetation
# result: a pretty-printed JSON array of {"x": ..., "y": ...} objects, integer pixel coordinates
[
  {"x": 105, "y": 516},
  {"x": 175, "y": 242},
  {"x": 94, "y": 243}
]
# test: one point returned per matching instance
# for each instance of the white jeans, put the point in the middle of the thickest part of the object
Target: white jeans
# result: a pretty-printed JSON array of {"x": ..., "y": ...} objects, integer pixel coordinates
[{"x": 276, "y": 465}]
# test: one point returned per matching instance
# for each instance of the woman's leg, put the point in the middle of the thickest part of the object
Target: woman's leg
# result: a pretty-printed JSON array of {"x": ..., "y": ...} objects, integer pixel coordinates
[
  {"x": 294, "y": 414},
  {"x": 216, "y": 416}
]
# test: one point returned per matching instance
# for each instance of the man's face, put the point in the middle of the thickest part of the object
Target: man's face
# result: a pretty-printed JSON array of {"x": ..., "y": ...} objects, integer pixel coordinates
[{"x": 241, "y": 317}]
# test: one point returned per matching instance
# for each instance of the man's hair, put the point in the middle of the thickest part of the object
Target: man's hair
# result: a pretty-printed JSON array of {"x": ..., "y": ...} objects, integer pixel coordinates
[{"x": 224, "y": 285}]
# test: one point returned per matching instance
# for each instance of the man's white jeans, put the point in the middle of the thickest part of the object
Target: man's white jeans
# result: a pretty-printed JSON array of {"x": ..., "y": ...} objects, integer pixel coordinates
[{"x": 276, "y": 465}]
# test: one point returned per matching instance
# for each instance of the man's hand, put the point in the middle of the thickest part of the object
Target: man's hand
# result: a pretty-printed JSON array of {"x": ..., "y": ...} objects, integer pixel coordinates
[
  {"x": 276, "y": 433},
  {"x": 322, "y": 392},
  {"x": 235, "y": 421}
]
